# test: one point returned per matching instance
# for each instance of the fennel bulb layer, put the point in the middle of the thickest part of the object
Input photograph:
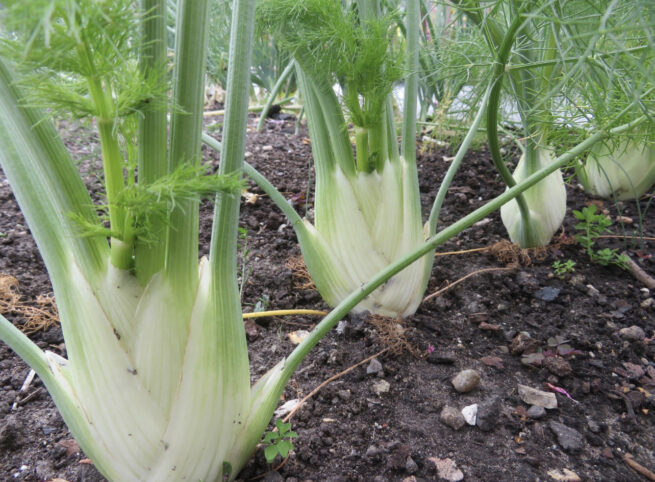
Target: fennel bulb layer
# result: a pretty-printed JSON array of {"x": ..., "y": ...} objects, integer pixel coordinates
[
  {"x": 156, "y": 394},
  {"x": 363, "y": 223},
  {"x": 625, "y": 172},
  {"x": 546, "y": 203}
]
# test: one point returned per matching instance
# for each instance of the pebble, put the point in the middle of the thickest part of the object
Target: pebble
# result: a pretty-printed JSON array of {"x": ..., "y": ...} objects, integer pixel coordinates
[
  {"x": 557, "y": 366},
  {"x": 452, "y": 417},
  {"x": 632, "y": 333},
  {"x": 532, "y": 396},
  {"x": 470, "y": 414},
  {"x": 381, "y": 386},
  {"x": 488, "y": 414},
  {"x": 547, "y": 293},
  {"x": 372, "y": 451},
  {"x": 410, "y": 466},
  {"x": 273, "y": 476},
  {"x": 442, "y": 357},
  {"x": 536, "y": 412},
  {"x": 374, "y": 367},
  {"x": 521, "y": 343},
  {"x": 568, "y": 438},
  {"x": 633, "y": 371},
  {"x": 447, "y": 469},
  {"x": 648, "y": 302},
  {"x": 466, "y": 380}
]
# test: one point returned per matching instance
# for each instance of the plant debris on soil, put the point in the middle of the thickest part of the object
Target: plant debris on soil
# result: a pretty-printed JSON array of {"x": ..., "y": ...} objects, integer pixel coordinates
[{"x": 555, "y": 373}]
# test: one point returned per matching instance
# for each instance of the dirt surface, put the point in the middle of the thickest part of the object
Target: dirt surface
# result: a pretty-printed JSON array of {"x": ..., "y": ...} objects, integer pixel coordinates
[{"x": 385, "y": 420}]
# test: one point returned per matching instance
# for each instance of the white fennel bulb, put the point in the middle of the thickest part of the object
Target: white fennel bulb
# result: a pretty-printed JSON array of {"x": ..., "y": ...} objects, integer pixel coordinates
[
  {"x": 362, "y": 224},
  {"x": 546, "y": 203},
  {"x": 624, "y": 172}
]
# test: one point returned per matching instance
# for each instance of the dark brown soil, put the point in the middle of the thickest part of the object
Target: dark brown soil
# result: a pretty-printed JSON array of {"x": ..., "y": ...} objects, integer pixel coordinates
[{"x": 348, "y": 431}]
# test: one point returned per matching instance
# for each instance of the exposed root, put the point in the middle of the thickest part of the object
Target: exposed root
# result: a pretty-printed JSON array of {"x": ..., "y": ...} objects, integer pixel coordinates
[
  {"x": 391, "y": 333},
  {"x": 509, "y": 253},
  {"x": 480, "y": 271},
  {"x": 303, "y": 280},
  {"x": 36, "y": 318},
  {"x": 331, "y": 379}
]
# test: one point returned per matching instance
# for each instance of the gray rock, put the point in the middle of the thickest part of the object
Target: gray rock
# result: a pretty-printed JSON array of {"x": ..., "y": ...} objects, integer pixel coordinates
[
  {"x": 273, "y": 476},
  {"x": 442, "y": 357},
  {"x": 410, "y": 466},
  {"x": 632, "y": 333},
  {"x": 344, "y": 395},
  {"x": 374, "y": 367},
  {"x": 536, "y": 412},
  {"x": 532, "y": 396},
  {"x": 381, "y": 386},
  {"x": 466, "y": 380},
  {"x": 568, "y": 438},
  {"x": 548, "y": 293},
  {"x": 44, "y": 470},
  {"x": 452, "y": 417},
  {"x": 488, "y": 414},
  {"x": 372, "y": 451}
]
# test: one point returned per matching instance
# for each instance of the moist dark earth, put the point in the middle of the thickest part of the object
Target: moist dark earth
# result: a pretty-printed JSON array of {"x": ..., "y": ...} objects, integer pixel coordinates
[{"x": 359, "y": 428}]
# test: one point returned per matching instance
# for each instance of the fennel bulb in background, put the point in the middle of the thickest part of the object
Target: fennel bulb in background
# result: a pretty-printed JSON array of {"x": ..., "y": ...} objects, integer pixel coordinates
[
  {"x": 623, "y": 172},
  {"x": 546, "y": 203}
]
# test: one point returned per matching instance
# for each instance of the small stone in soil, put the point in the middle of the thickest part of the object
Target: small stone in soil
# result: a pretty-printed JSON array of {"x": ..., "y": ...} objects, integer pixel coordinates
[
  {"x": 452, "y": 417},
  {"x": 547, "y": 293},
  {"x": 521, "y": 343},
  {"x": 632, "y": 333},
  {"x": 633, "y": 371},
  {"x": 488, "y": 413},
  {"x": 470, "y": 414},
  {"x": 381, "y": 386},
  {"x": 372, "y": 451},
  {"x": 374, "y": 367},
  {"x": 557, "y": 366},
  {"x": 442, "y": 357},
  {"x": 410, "y": 466},
  {"x": 568, "y": 438},
  {"x": 466, "y": 380},
  {"x": 536, "y": 412},
  {"x": 532, "y": 396},
  {"x": 447, "y": 469},
  {"x": 493, "y": 361}
]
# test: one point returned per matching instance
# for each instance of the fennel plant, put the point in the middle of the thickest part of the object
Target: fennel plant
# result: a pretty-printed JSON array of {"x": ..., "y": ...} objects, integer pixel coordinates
[
  {"x": 156, "y": 383},
  {"x": 542, "y": 64},
  {"x": 367, "y": 207}
]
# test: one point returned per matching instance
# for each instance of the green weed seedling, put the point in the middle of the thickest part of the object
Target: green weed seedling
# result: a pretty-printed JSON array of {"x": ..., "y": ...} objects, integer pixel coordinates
[
  {"x": 279, "y": 442},
  {"x": 592, "y": 225},
  {"x": 563, "y": 268}
]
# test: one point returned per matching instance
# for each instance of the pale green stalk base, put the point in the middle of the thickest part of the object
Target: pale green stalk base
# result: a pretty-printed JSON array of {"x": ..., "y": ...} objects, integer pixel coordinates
[
  {"x": 546, "y": 202},
  {"x": 625, "y": 173},
  {"x": 362, "y": 224}
]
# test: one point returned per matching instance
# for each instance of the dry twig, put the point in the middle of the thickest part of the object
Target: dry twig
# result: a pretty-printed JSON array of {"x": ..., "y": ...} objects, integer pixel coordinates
[
  {"x": 637, "y": 467},
  {"x": 449, "y": 286},
  {"x": 639, "y": 273}
]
